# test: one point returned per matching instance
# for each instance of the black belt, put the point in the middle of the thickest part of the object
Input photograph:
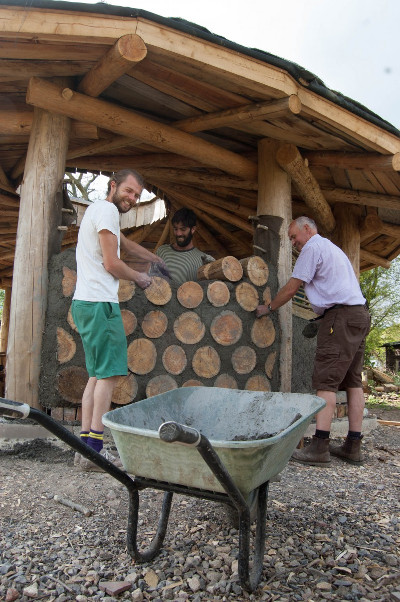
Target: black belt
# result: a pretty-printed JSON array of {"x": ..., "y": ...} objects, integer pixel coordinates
[{"x": 338, "y": 305}]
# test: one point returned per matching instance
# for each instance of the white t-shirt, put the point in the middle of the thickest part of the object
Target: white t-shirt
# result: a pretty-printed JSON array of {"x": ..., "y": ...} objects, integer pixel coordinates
[
  {"x": 328, "y": 275},
  {"x": 94, "y": 283}
]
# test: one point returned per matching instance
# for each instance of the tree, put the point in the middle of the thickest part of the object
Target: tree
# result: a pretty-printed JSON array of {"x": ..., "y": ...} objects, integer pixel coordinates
[
  {"x": 381, "y": 289},
  {"x": 86, "y": 186}
]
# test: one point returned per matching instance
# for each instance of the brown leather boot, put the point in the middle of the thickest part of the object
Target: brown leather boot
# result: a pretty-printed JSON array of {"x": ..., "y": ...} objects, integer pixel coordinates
[
  {"x": 350, "y": 451},
  {"x": 315, "y": 454}
]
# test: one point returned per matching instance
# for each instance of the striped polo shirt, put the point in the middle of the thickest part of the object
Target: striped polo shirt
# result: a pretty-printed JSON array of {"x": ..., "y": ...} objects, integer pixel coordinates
[{"x": 183, "y": 265}]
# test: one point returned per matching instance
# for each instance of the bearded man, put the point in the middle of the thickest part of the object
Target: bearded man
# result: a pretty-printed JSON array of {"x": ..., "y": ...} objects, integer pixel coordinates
[
  {"x": 95, "y": 307},
  {"x": 182, "y": 258}
]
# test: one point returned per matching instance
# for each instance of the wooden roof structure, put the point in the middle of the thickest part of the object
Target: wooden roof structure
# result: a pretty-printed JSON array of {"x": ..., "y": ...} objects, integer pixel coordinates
[{"x": 188, "y": 109}]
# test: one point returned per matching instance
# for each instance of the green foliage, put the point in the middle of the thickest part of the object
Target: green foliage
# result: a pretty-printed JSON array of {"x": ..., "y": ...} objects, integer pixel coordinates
[{"x": 380, "y": 288}]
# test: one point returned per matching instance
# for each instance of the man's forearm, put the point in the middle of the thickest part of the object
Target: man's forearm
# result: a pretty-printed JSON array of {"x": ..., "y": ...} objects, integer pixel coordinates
[{"x": 133, "y": 248}]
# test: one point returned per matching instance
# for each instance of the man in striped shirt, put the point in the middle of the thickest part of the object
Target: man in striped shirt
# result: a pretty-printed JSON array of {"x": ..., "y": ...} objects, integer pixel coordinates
[{"x": 182, "y": 258}]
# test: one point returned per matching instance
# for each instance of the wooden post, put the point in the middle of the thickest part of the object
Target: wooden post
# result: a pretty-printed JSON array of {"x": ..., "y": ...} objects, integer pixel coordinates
[
  {"x": 37, "y": 225},
  {"x": 347, "y": 234},
  {"x": 275, "y": 199},
  {"x": 5, "y": 320}
]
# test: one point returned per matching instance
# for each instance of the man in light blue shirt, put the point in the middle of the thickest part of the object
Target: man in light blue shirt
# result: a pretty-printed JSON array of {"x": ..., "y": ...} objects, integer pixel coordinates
[{"x": 334, "y": 293}]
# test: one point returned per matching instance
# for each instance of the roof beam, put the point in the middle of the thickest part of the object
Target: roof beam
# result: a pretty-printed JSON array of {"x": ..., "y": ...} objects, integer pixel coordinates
[
  {"x": 248, "y": 113},
  {"x": 115, "y": 63},
  {"x": 293, "y": 163},
  {"x": 373, "y": 225},
  {"x": 55, "y": 99},
  {"x": 358, "y": 197},
  {"x": 374, "y": 259},
  {"x": 372, "y": 161}
]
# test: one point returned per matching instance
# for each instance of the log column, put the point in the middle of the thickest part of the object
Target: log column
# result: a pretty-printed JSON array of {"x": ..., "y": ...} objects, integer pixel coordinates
[
  {"x": 275, "y": 204},
  {"x": 347, "y": 233},
  {"x": 5, "y": 320},
  {"x": 39, "y": 216}
]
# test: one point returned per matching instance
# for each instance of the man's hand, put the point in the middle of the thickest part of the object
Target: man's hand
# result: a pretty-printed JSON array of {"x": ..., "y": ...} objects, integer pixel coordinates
[
  {"x": 162, "y": 266},
  {"x": 262, "y": 310},
  {"x": 142, "y": 279}
]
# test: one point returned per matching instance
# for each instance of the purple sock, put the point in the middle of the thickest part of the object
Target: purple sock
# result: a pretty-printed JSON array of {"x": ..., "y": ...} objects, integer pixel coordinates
[
  {"x": 84, "y": 436},
  {"x": 95, "y": 440}
]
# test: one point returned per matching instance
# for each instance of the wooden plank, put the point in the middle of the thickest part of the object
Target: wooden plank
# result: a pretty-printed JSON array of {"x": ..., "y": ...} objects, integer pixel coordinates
[
  {"x": 50, "y": 51},
  {"x": 122, "y": 121}
]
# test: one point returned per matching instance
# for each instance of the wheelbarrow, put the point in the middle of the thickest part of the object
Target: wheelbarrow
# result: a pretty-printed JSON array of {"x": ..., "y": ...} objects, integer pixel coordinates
[{"x": 222, "y": 445}]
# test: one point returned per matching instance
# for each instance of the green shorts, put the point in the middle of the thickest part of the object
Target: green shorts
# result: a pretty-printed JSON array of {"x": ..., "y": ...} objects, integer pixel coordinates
[{"x": 103, "y": 337}]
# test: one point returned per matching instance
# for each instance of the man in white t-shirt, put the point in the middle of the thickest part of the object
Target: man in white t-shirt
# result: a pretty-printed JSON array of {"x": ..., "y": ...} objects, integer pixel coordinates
[
  {"x": 95, "y": 307},
  {"x": 334, "y": 293}
]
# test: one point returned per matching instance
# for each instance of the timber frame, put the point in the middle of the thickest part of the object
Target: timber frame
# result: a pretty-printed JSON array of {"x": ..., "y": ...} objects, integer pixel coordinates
[{"x": 232, "y": 132}]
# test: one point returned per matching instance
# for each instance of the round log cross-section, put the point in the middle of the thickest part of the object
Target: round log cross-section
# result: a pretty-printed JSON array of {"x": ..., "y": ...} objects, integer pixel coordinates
[
  {"x": 71, "y": 383},
  {"x": 160, "y": 384},
  {"x": 270, "y": 363},
  {"x": 70, "y": 321},
  {"x": 225, "y": 381},
  {"x": 159, "y": 292},
  {"x": 126, "y": 290},
  {"x": 154, "y": 324},
  {"x": 66, "y": 346},
  {"x": 129, "y": 321},
  {"x": 68, "y": 281},
  {"x": 189, "y": 328},
  {"x": 218, "y": 293},
  {"x": 247, "y": 296},
  {"x": 190, "y": 294},
  {"x": 142, "y": 356},
  {"x": 125, "y": 390},
  {"x": 174, "y": 359},
  {"x": 263, "y": 332},
  {"x": 226, "y": 268},
  {"x": 226, "y": 328},
  {"x": 192, "y": 382},
  {"x": 255, "y": 269},
  {"x": 258, "y": 382},
  {"x": 244, "y": 359},
  {"x": 206, "y": 362}
]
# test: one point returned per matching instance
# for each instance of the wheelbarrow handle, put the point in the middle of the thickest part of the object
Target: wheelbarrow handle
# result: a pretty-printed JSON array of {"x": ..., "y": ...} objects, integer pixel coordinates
[
  {"x": 173, "y": 431},
  {"x": 14, "y": 409}
]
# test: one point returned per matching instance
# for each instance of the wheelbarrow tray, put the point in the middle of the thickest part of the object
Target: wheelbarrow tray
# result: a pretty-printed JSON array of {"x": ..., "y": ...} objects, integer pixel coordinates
[{"x": 254, "y": 433}]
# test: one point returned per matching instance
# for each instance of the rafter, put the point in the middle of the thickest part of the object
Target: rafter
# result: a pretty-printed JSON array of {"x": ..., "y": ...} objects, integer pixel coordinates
[{"x": 51, "y": 97}]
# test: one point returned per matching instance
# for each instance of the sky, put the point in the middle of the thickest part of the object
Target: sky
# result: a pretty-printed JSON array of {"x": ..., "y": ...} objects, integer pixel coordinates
[{"x": 353, "y": 46}]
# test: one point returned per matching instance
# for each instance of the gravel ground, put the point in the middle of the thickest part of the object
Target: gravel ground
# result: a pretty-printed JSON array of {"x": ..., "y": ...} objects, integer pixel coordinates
[{"x": 332, "y": 534}]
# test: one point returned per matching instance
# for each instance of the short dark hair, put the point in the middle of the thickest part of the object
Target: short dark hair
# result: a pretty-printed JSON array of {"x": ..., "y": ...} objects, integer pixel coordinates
[
  {"x": 120, "y": 176},
  {"x": 185, "y": 216}
]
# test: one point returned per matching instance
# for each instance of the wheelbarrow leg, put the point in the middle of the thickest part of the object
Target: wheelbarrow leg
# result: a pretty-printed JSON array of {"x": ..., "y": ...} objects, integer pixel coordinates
[
  {"x": 158, "y": 539},
  {"x": 251, "y": 579},
  {"x": 171, "y": 432}
]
